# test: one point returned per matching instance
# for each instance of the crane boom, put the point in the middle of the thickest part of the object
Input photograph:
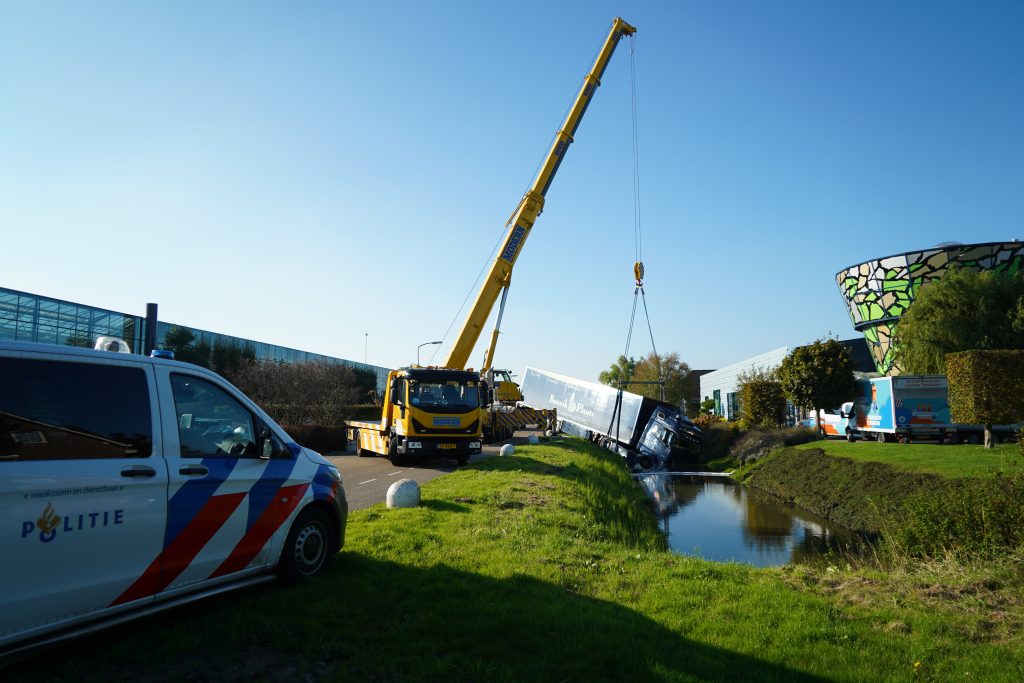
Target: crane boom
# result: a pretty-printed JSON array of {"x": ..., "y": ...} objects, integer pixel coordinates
[{"x": 499, "y": 276}]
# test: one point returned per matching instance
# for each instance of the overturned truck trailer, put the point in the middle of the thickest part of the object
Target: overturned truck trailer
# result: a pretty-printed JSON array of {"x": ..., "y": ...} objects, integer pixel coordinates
[{"x": 647, "y": 433}]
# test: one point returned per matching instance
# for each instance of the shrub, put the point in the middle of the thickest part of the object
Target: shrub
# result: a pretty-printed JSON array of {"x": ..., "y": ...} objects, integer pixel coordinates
[
  {"x": 764, "y": 404},
  {"x": 320, "y": 438},
  {"x": 794, "y": 436},
  {"x": 706, "y": 419},
  {"x": 719, "y": 438},
  {"x": 983, "y": 516},
  {"x": 312, "y": 393},
  {"x": 986, "y": 387}
]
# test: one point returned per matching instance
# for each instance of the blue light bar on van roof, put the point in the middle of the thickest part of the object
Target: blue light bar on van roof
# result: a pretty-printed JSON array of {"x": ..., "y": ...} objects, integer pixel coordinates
[{"x": 162, "y": 353}]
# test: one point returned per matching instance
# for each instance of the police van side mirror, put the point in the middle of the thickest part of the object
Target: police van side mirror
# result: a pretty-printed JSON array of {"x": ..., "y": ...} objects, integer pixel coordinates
[{"x": 269, "y": 445}]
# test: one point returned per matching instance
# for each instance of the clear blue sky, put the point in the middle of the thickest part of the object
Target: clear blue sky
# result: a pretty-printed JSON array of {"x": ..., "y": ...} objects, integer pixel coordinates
[{"x": 307, "y": 173}]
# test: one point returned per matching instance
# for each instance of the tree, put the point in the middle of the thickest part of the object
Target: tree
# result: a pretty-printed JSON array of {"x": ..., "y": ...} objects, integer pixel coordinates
[
  {"x": 816, "y": 376},
  {"x": 182, "y": 341},
  {"x": 762, "y": 401},
  {"x": 619, "y": 374},
  {"x": 178, "y": 339},
  {"x": 628, "y": 373},
  {"x": 227, "y": 358},
  {"x": 665, "y": 368},
  {"x": 986, "y": 387},
  {"x": 79, "y": 339},
  {"x": 963, "y": 311}
]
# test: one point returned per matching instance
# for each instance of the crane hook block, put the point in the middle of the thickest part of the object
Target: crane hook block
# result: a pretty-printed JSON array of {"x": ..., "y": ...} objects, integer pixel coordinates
[{"x": 638, "y": 271}]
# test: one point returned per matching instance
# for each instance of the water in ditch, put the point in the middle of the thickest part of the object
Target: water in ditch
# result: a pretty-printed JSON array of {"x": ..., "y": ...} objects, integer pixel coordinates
[{"x": 721, "y": 520}]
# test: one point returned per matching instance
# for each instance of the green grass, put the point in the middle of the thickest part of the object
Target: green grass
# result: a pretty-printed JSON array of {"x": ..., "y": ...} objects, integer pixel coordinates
[
  {"x": 946, "y": 460},
  {"x": 547, "y": 566}
]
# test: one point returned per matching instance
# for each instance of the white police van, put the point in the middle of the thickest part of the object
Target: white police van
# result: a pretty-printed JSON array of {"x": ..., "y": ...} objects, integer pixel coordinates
[{"x": 131, "y": 484}]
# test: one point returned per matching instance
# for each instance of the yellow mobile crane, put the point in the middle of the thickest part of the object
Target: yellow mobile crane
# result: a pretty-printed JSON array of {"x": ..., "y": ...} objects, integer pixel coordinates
[{"x": 443, "y": 409}]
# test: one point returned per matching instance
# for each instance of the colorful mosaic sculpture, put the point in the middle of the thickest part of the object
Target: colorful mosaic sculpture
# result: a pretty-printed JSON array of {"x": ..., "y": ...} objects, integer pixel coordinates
[{"x": 879, "y": 292}]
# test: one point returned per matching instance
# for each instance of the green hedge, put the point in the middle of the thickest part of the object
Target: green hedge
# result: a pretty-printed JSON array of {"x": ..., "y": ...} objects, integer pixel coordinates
[
  {"x": 986, "y": 387},
  {"x": 320, "y": 438}
]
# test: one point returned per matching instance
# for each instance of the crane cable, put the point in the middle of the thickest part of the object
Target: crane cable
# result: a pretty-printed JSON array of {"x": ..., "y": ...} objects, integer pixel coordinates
[{"x": 638, "y": 266}]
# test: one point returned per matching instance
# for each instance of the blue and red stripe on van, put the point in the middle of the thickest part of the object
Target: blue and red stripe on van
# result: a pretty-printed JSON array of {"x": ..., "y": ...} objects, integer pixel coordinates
[{"x": 195, "y": 515}]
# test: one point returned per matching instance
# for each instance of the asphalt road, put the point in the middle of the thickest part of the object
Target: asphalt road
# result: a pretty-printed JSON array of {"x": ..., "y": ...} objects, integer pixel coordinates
[{"x": 367, "y": 479}]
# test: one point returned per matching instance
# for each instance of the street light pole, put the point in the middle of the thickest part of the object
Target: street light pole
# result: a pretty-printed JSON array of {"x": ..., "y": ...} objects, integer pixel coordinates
[
  {"x": 421, "y": 346},
  {"x": 366, "y": 346}
]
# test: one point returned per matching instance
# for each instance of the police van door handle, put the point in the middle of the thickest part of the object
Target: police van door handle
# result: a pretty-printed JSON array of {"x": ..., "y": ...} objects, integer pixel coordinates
[
  {"x": 194, "y": 469},
  {"x": 138, "y": 471}
]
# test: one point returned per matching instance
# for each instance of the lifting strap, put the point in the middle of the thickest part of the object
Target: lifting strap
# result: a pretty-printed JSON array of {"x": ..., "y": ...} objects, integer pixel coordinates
[{"x": 638, "y": 266}]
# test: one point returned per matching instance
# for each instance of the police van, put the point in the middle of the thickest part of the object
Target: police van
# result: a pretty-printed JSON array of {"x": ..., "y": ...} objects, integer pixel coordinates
[{"x": 131, "y": 484}]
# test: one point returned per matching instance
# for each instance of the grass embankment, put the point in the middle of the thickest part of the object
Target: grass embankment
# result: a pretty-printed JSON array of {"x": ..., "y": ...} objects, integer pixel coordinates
[
  {"x": 547, "y": 566},
  {"x": 893, "y": 492},
  {"x": 947, "y": 460}
]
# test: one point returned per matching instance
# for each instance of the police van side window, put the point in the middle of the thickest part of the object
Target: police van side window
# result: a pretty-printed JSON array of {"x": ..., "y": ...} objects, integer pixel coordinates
[
  {"x": 60, "y": 410},
  {"x": 211, "y": 423}
]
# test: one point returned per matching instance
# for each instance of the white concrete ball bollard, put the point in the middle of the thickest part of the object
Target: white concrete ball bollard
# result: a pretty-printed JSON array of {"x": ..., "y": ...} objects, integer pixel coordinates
[
  {"x": 549, "y": 433},
  {"x": 507, "y": 449},
  {"x": 404, "y": 493},
  {"x": 532, "y": 440}
]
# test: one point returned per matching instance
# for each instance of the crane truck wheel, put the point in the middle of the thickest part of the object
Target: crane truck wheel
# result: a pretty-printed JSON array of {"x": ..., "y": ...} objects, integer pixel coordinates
[
  {"x": 396, "y": 458},
  {"x": 360, "y": 451}
]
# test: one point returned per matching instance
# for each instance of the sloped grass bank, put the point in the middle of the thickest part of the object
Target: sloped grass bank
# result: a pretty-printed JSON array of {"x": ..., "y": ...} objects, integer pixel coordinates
[
  {"x": 947, "y": 460},
  {"x": 545, "y": 566},
  {"x": 916, "y": 513}
]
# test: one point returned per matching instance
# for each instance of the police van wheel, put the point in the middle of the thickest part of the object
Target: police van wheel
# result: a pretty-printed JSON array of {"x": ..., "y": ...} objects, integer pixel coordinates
[{"x": 307, "y": 550}]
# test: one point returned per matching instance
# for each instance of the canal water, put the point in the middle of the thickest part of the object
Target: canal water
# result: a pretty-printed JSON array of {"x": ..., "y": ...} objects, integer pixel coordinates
[{"x": 721, "y": 520}]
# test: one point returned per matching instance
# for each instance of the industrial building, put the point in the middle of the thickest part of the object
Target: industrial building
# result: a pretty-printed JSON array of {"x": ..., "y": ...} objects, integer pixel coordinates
[
  {"x": 722, "y": 385},
  {"x": 42, "y": 319}
]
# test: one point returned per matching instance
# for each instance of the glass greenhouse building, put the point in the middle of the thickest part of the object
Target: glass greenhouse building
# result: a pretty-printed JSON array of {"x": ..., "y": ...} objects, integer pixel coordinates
[{"x": 41, "y": 319}]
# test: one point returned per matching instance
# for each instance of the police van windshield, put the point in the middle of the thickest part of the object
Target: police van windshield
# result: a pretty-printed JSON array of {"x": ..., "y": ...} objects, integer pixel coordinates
[{"x": 444, "y": 396}]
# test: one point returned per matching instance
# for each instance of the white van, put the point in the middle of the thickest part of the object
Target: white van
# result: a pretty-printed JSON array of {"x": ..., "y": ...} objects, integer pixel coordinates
[{"x": 131, "y": 484}]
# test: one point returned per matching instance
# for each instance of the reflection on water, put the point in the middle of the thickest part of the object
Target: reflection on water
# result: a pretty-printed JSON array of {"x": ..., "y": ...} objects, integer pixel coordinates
[{"x": 721, "y": 520}]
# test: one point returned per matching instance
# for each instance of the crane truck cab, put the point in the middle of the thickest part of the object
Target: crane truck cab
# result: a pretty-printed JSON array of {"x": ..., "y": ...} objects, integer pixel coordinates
[
  {"x": 505, "y": 393},
  {"x": 427, "y": 412}
]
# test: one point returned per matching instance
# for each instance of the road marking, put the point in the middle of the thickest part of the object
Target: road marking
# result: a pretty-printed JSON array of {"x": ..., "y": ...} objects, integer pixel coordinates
[
  {"x": 394, "y": 473},
  {"x": 366, "y": 482}
]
